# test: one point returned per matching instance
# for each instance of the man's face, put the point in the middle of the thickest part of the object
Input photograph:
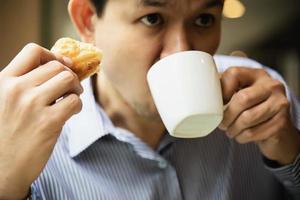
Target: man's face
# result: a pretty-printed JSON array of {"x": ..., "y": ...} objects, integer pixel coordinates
[{"x": 134, "y": 34}]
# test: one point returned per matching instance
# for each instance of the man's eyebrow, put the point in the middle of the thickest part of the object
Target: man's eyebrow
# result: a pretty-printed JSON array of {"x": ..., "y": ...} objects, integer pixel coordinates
[
  {"x": 156, "y": 3},
  {"x": 214, "y": 3}
]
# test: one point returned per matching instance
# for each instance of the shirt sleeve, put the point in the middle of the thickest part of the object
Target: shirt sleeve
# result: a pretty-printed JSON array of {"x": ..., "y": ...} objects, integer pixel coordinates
[{"x": 288, "y": 175}]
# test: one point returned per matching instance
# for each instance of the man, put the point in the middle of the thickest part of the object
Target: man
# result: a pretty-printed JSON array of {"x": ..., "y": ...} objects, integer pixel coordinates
[{"x": 117, "y": 146}]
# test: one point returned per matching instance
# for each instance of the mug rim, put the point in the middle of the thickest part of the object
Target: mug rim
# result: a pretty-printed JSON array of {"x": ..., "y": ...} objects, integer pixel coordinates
[{"x": 175, "y": 54}]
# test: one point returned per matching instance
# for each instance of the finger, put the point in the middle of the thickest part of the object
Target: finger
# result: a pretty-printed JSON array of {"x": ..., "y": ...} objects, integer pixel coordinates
[
  {"x": 29, "y": 58},
  {"x": 66, "y": 107},
  {"x": 265, "y": 130},
  {"x": 63, "y": 83},
  {"x": 239, "y": 54},
  {"x": 242, "y": 101},
  {"x": 45, "y": 72},
  {"x": 236, "y": 78},
  {"x": 256, "y": 115}
]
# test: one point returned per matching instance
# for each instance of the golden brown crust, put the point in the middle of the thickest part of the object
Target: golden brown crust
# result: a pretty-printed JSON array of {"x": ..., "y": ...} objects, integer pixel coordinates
[{"x": 85, "y": 57}]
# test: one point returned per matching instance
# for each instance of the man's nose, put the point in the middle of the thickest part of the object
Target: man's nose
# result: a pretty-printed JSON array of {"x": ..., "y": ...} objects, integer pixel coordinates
[{"x": 175, "y": 40}]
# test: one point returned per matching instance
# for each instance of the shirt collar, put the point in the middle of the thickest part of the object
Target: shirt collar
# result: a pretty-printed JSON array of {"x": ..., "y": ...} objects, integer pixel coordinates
[
  {"x": 87, "y": 126},
  {"x": 92, "y": 123}
]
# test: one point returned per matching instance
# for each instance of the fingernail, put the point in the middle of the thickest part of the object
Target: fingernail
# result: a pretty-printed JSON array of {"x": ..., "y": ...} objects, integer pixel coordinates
[
  {"x": 229, "y": 135},
  {"x": 222, "y": 127},
  {"x": 68, "y": 61}
]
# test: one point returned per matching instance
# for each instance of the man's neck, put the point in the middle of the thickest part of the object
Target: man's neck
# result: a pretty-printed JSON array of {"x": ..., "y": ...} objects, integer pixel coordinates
[{"x": 123, "y": 116}]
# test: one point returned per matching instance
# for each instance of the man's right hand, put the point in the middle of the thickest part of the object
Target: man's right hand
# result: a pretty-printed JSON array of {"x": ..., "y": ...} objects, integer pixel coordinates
[{"x": 31, "y": 118}]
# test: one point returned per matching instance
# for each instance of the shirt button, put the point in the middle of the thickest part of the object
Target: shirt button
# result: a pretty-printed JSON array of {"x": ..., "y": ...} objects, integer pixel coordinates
[{"x": 162, "y": 163}]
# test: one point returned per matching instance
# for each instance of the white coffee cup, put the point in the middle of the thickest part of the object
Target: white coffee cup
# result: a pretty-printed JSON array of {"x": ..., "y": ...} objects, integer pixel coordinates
[{"x": 186, "y": 90}]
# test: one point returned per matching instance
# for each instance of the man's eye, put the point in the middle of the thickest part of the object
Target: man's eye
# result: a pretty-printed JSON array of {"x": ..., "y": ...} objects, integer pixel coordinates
[
  {"x": 152, "y": 20},
  {"x": 205, "y": 20}
]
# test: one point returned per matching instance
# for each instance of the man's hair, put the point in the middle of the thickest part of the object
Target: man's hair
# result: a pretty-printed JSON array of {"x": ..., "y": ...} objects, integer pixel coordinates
[{"x": 99, "y": 5}]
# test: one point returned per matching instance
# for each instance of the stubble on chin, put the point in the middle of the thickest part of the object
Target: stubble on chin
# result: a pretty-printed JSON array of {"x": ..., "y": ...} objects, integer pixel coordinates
[{"x": 146, "y": 111}]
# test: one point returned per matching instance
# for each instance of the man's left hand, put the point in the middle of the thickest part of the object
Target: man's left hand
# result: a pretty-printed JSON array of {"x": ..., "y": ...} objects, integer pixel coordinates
[{"x": 258, "y": 111}]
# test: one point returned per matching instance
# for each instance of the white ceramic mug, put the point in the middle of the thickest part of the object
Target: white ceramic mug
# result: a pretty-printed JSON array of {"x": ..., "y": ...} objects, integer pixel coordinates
[{"x": 186, "y": 90}]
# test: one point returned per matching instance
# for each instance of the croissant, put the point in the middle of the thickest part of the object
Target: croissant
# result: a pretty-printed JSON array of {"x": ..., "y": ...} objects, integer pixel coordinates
[{"x": 86, "y": 58}]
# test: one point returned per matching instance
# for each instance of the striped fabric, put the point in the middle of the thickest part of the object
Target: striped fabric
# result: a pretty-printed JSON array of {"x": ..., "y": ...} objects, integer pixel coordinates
[{"x": 95, "y": 160}]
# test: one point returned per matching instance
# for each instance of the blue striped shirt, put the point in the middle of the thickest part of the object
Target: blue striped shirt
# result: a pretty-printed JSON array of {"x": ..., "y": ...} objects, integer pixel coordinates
[{"x": 93, "y": 159}]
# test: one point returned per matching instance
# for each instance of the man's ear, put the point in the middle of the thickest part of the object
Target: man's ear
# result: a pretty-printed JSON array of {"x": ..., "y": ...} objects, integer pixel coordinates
[{"x": 82, "y": 13}]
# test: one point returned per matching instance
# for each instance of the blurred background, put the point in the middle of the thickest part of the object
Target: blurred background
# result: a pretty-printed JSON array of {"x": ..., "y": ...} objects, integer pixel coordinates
[{"x": 266, "y": 30}]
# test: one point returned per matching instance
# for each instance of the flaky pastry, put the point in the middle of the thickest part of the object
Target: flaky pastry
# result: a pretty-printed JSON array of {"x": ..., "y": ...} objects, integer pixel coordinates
[{"x": 86, "y": 58}]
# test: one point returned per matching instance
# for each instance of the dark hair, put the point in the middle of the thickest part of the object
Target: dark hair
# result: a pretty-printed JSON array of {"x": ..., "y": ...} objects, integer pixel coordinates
[{"x": 99, "y": 5}]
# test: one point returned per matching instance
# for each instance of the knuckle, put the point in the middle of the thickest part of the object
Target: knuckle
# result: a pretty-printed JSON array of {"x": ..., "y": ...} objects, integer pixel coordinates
[
  {"x": 277, "y": 85},
  {"x": 244, "y": 98},
  {"x": 79, "y": 106},
  {"x": 75, "y": 101},
  {"x": 56, "y": 66},
  {"x": 246, "y": 137},
  {"x": 246, "y": 117},
  {"x": 262, "y": 72},
  {"x": 249, "y": 134},
  {"x": 68, "y": 77},
  {"x": 33, "y": 47},
  {"x": 233, "y": 71},
  {"x": 284, "y": 103}
]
